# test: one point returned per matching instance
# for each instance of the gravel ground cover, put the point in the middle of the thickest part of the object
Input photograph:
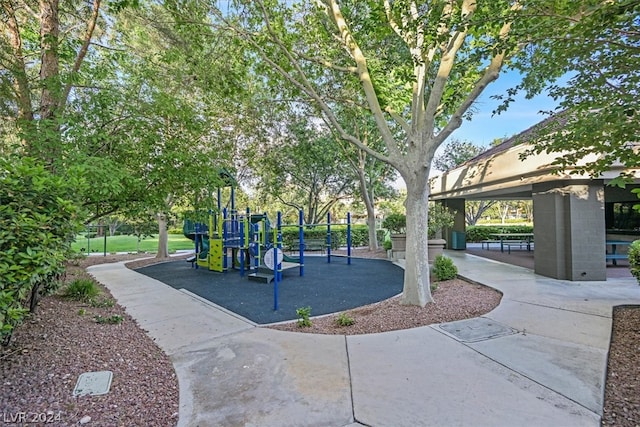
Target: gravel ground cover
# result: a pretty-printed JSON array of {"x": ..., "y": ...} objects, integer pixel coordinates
[
  {"x": 40, "y": 367},
  {"x": 454, "y": 300},
  {"x": 622, "y": 390}
]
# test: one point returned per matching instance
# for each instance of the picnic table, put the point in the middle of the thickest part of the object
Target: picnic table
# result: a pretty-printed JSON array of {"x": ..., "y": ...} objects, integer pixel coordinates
[
  {"x": 613, "y": 255},
  {"x": 513, "y": 238}
]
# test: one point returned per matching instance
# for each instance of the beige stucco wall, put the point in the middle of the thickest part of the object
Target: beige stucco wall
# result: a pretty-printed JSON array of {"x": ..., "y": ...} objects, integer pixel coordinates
[{"x": 505, "y": 174}]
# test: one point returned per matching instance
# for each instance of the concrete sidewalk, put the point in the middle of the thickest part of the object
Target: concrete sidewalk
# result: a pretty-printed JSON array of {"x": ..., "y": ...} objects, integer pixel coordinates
[{"x": 538, "y": 359}]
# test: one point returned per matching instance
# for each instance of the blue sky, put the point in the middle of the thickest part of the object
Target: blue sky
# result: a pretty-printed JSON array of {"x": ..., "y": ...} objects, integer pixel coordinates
[{"x": 522, "y": 114}]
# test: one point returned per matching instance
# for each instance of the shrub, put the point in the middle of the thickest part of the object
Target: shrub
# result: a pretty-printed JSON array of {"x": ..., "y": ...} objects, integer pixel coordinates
[
  {"x": 396, "y": 223},
  {"x": 359, "y": 235},
  {"x": 102, "y": 303},
  {"x": 634, "y": 259},
  {"x": 444, "y": 269},
  {"x": 478, "y": 233},
  {"x": 439, "y": 218},
  {"x": 344, "y": 320},
  {"x": 40, "y": 220},
  {"x": 115, "y": 319},
  {"x": 81, "y": 290},
  {"x": 387, "y": 245},
  {"x": 303, "y": 314}
]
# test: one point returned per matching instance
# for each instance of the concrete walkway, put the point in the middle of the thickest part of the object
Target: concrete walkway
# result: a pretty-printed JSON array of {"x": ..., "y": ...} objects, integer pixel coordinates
[{"x": 539, "y": 359}]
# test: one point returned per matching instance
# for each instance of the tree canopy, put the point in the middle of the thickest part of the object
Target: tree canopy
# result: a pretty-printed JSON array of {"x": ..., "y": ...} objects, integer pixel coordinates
[
  {"x": 455, "y": 153},
  {"x": 586, "y": 55},
  {"x": 416, "y": 66},
  {"x": 145, "y": 99}
]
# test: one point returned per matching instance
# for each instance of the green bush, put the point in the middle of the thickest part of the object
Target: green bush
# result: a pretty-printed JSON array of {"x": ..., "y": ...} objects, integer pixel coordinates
[
  {"x": 478, "y": 233},
  {"x": 81, "y": 290},
  {"x": 440, "y": 217},
  {"x": 634, "y": 259},
  {"x": 102, "y": 303},
  {"x": 359, "y": 235},
  {"x": 344, "y": 320},
  {"x": 396, "y": 223},
  {"x": 444, "y": 269},
  {"x": 304, "y": 314},
  {"x": 39, "y": 221},
  {"x": 115, "y": 319}
]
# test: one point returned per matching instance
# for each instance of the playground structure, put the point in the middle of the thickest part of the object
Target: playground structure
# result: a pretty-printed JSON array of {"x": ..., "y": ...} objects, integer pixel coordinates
[
  {"x": 226, "y": 238},
  {"x": 248, "y": 242}
]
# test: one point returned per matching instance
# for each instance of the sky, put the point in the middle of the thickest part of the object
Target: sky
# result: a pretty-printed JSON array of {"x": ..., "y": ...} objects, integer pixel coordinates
[
  {"x": 522, "y": 114},
  {"x": 484, "y": 127}
]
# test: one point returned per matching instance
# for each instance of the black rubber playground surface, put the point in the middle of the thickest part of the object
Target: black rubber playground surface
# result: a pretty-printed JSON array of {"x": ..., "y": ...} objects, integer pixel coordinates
[{"x": 325, "y": 287}]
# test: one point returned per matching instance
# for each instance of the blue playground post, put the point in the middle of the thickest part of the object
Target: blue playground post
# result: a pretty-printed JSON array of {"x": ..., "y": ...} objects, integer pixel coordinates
[
  {"x": 225, "y": 233},
  {"x": 277, "y": 266},
  {"x": 329, "y": 237},
  {"x": 301, "y": 239},
  {"x": 240, "y": 248},
  {"x": 348, "y": 238}
]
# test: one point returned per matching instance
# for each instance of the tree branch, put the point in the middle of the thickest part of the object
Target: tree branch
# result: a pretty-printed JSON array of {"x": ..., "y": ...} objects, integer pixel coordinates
[
  {"x": 21, "y": 83},
  {"x": 446, "y": 63},
  {"x": 91, "y": 26},
  {"x": 328, "y": 64},
  {"x": 365, "y": 79},
  {"x": 491, "y": 73},
  {"x": 303, "y": 84}
]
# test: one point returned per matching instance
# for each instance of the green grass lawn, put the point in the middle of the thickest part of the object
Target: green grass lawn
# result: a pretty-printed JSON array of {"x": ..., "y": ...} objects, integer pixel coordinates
[{"x": 130, "y": 244}]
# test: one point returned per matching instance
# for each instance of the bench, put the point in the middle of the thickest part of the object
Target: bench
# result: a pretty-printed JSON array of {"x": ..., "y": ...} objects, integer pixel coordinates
[
  {"x": 509, "y": 243},
  {"x": 615, "y": 257},
  {"x": 309, "y": 245},
  {"x": 487, "y": 241}
]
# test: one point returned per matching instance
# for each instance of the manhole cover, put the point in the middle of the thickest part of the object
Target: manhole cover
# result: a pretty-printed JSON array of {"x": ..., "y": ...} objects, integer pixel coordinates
[
  {"x": 476, "y": 329},
  {"x": 93, "y": 383}
]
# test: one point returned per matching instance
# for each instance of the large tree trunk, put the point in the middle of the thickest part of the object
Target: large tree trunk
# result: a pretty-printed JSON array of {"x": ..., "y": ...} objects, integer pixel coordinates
[
  {"x": 163, "y": 237},
  {"x": 47, "y": 141},
  {"x": 417, "y": 289},
  {"x": 49, "y": 67}
]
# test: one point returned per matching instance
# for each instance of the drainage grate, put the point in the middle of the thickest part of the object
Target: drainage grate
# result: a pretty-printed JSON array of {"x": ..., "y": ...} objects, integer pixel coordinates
[
  {"x": 476, "y": 329},
  {"x": 93, "y": 383}
]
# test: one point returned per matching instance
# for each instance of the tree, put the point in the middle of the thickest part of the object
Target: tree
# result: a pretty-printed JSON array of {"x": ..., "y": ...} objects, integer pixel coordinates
[
  {"x": 455, "y": 154},
  {"x": 171, "y": 121},
  {"x": 373, "y": 175},
  {"x": 594, "y": 44},
  {"x": 45, "y": 50},
  {"x": 419, "y": 64},
  {"x": 304, "y": 169}
]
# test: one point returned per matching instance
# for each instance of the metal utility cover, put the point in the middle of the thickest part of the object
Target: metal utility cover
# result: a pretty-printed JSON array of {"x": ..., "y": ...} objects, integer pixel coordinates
[
  {"x": 476, "y": 329},
  {"x": 93, "y": 383}
]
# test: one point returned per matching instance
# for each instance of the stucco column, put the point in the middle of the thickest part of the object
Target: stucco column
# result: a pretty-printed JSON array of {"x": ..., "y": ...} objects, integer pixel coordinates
[
  {"x": 459, "y": 224},
  {"x": 569, "y": 230}
]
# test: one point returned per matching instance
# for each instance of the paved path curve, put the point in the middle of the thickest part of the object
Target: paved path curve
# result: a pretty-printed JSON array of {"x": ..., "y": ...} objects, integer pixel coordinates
[{"x": 537, "y": 359}]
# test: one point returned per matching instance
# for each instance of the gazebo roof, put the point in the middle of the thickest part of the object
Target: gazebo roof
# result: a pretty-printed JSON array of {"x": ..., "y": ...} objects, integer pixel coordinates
[
  {"x": 506, "y": 172},
  {"x": 532, "y": 133}
]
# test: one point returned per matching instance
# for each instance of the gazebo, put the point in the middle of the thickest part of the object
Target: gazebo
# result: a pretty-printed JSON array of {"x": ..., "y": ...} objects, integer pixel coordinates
[{"x": 574, "y": 214}]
